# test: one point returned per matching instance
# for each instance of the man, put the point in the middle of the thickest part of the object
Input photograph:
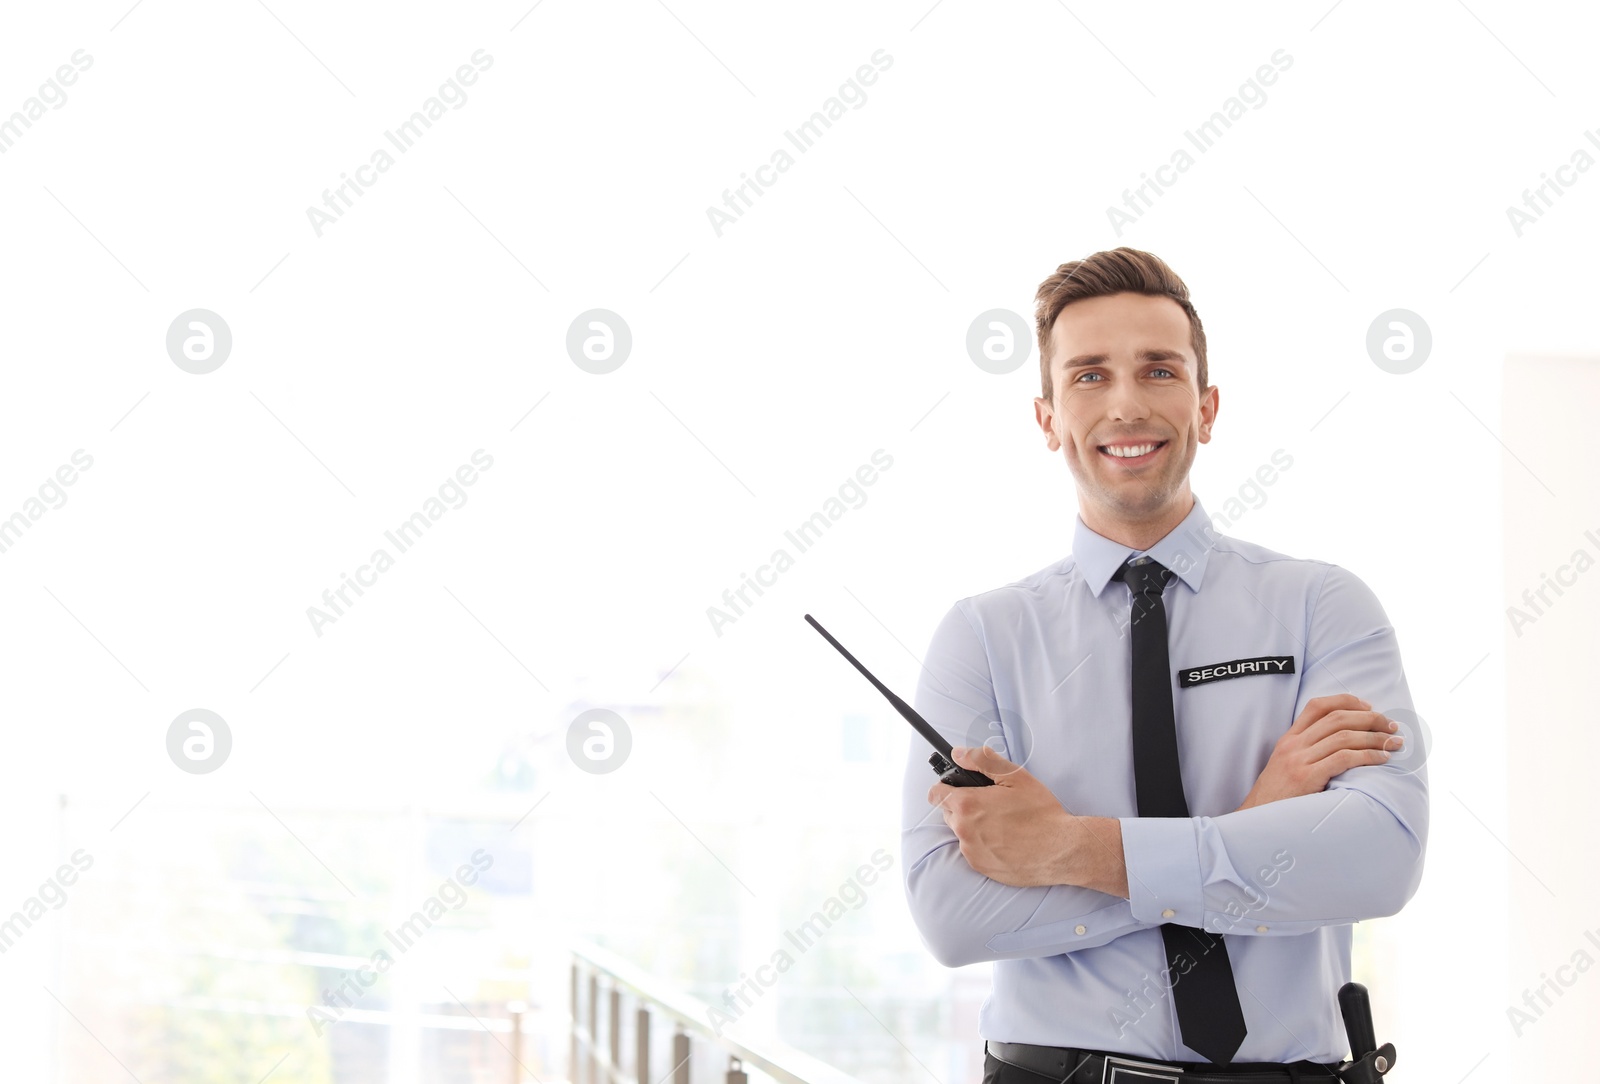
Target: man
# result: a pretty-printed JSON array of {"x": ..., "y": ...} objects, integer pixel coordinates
[{"x": 1199, "y": 785}]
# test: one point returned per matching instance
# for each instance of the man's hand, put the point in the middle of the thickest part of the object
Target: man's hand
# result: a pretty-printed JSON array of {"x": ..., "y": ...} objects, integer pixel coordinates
[
  {"x": 1333, "y": 734},
  {"x": 1018, "y": 833}
]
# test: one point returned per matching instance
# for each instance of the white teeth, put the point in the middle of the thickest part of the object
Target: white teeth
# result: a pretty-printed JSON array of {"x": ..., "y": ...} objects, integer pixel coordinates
[{"x": 1131, "y": 451}]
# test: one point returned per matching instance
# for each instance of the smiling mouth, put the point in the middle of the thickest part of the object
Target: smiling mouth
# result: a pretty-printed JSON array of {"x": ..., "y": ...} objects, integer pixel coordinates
[{"x": 1144, "y": 453}]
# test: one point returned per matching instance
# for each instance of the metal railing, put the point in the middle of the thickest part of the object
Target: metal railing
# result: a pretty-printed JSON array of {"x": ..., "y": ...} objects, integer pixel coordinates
[{"x": 603, "y": 977}]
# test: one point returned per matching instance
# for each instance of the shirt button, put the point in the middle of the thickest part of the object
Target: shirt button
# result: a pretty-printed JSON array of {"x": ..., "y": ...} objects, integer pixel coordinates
[
  {"x": 1082, "y": 929},
  {"x": 1261, "y": 929},
  {"x": 1168, "y": 913}
]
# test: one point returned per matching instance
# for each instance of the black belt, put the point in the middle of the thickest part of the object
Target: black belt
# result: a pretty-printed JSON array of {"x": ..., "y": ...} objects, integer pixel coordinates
[{"x": 1072, "y": 1066}]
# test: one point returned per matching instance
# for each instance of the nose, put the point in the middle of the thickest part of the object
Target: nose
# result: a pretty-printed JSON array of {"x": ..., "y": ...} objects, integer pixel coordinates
[{"x": 1126, "y": 402}]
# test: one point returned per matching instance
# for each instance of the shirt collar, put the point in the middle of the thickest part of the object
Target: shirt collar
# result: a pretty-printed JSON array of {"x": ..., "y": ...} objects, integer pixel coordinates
[{"x": 1184, "y": 549}]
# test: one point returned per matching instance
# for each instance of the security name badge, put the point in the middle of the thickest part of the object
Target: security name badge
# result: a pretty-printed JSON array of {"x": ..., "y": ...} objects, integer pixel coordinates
[{"x": 1221, "y": 671}]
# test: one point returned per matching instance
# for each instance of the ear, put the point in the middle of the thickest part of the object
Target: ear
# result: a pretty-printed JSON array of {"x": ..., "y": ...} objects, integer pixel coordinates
[
  {"x": 1044, "y": 414},
  {"x": 1208, "y": 413}
]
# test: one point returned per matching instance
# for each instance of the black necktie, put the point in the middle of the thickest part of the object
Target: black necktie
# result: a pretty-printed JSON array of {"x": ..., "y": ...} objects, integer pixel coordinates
[{"x": 1207, "y": 1001}]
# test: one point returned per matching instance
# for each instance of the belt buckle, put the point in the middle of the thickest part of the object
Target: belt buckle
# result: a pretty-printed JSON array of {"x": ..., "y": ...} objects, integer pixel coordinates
[{"x": 1117, "y": 1070}]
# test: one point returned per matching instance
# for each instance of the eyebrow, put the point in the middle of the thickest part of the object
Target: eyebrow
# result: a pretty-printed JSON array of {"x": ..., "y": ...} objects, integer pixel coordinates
[{"x": 1144, "y": 355}]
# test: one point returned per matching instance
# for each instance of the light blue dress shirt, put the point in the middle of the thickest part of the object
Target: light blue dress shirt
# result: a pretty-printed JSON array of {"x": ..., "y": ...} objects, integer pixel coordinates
[{"x": 1040, "y": 670}]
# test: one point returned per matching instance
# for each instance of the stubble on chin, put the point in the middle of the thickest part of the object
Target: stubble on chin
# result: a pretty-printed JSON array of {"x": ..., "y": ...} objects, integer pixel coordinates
[{"x": 1133, "y": 497}]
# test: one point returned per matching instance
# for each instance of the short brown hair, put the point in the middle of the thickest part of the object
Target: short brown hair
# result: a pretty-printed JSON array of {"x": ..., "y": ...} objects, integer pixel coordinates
[{"x": 1115, "y": 271}]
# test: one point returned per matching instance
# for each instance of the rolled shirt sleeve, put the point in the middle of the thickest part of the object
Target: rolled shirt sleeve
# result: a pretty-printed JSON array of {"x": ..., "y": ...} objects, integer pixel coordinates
[{"x": 1352, "y": 851}]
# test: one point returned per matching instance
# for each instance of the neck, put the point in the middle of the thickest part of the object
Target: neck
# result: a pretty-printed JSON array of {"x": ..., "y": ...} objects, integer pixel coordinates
[{"x": 1141, "y": 533}]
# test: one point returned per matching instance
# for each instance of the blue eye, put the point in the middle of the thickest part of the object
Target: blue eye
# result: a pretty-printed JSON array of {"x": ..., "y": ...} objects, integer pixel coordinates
[{"x": 1162, "y": 369}]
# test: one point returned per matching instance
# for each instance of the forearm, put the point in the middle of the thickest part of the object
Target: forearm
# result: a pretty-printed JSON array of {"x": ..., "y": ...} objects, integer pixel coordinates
[
  {"x": 1332, "y": 858},
  {"x": 1093, "y": 858},
  {"x": 965, "y": 917}
]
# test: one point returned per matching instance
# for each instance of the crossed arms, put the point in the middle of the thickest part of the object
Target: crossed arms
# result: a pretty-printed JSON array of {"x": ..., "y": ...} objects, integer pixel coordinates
[{"x": 1008, "y": 871}]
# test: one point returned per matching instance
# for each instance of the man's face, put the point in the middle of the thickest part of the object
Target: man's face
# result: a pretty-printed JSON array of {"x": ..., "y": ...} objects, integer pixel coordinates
[{"x": 1123, "y": 374}]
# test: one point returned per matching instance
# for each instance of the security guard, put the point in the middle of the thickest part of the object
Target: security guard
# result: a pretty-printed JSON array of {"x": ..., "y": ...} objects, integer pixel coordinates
[{"x": 1200, "y": 786}]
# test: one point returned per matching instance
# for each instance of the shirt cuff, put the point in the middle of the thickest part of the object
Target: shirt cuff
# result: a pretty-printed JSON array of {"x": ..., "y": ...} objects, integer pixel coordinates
[
  {"x": 1068, "y": 934},
  {"x": 1162, "y": 855}
]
